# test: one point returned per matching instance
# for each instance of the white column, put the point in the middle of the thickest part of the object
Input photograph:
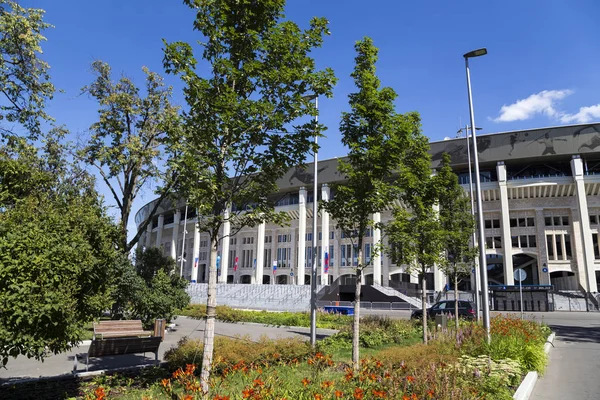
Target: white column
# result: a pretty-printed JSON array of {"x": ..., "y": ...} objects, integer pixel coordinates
[
  {"x": 301, "y": 235},
  {"x": 257, "y": 276},
  {"x": 195, "y": 253},
  {"x": 159, "y": 231},
  {"x": 175, "y": 235},
  {"x": 225, "y": 240},
  {"x": 148, "y": 234},
  {"x": 325, "y": 192},
  {"x": 509, "y": 278},
  {"x": 377, "y": 258},
  {"x": 541, "y": 246},
  {"x": 439, "y": 278},
  {"x": 587, "y": 272}
]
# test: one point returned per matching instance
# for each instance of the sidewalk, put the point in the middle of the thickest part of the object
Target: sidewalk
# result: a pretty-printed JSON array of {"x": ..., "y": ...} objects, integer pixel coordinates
[
  {"x": 62, "y": 364},
  {"x": 574, "y": 365}
]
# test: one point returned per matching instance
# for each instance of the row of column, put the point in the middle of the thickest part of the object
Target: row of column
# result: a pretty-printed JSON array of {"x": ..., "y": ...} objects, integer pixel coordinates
[{"x": 582, "y": 234}]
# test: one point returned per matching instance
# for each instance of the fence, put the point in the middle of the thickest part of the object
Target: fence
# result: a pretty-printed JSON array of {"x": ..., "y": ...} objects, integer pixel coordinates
[{"x": 370, "y": 305}]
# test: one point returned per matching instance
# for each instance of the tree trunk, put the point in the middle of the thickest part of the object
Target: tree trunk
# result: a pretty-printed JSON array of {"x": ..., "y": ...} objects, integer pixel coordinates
[
  {"x": 456, "y": 302},
  {"x": 211, "y": 308},
  {"x": 356, "y": 321},
  {"x": 424, "y": 304}
]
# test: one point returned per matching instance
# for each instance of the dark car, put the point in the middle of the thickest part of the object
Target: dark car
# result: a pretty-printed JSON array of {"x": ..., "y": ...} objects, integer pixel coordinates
[{"x": 465, "y": 310}]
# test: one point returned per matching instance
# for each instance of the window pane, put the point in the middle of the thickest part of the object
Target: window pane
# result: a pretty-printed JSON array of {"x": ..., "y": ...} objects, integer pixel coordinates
[
  {"x": 549, "y": 247},
  {"x": 488, "y": 224},
  {"x": 522, "y": 222},
  {"x": 496, "y": 223},
  {"x": 565, "y": 220},
  {"x": 548, "y": 221},
  {"x": 515, "y": 241},
  {"x": 513, "y": 222},
  {"x": 559, "y": 252},
  {"x": 532, "y": 242},
  {"x": 524, "y": 241},
  {"x": 489, "y": 243},
  {"x": 593, "y": 219},
  {"x": 568, "y": 245},
  {"x": 497, "y": 242},
  {"x": 556, "y": 221},
  {"x": 530, "y": 222},
  {"x": 596, "y": 248}
]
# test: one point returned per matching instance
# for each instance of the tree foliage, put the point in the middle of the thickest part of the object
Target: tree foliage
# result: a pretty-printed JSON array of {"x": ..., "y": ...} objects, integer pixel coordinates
[
  {"x": 241, "y": 132},
  {"x": 458, "y": 224},
  {"x": 127, "y": 142},
  {"x": 24, "y": 80},
  {"x": 57, "y": 250},
  {"x": 149, "y": 289},
  {"x": 416, "y": 237},
  {"x": 377, "y": 138}
]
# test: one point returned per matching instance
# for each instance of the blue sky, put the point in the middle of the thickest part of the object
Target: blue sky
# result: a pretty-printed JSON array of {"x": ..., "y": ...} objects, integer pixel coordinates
[{"x": 541, "y": 69}]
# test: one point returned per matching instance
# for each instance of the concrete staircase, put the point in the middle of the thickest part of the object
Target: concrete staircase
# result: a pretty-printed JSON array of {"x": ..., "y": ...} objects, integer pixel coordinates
[{"x": 393, "y": 292}]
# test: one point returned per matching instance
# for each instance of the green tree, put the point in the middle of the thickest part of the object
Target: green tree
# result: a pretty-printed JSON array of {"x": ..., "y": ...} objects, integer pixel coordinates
[
  {"x": 416, "y": 237},
  {"x": 148, "y": 289},
  {"x": 377, "y": 138},
  {"x": 57, "y": 250},
  {"x": 239, "y": 135},
  {"x": 24, "y": 80},
  {"x": 458, "y": 223},
  {"x": 127, "y": 143}
]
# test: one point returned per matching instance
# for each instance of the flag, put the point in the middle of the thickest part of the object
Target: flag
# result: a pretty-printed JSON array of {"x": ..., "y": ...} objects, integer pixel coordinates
[
  {"x": 326, "y": 262},
  {"x": 254, "y": 264},
  {"x": 274, "y": 267},
  {"x": 235, "y": 265}
]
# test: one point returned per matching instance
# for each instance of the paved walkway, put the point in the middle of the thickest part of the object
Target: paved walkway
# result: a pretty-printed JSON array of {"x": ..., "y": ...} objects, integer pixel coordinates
[
  {"x": 574, "y": 370},
  {"x": 62, "y": 364}
]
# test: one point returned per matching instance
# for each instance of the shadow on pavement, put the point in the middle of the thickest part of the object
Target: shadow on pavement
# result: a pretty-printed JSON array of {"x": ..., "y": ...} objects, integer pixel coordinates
[
  {"x": 580, "y": 334},
  {"x": 307, "y": 334}
]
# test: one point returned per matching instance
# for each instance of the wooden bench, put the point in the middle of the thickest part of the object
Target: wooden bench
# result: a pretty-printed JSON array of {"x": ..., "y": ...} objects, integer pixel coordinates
[
  {"x": 113, "y": 338},
  {"x": 121, "y": 345},
  {"x": 122, "y": 328}
]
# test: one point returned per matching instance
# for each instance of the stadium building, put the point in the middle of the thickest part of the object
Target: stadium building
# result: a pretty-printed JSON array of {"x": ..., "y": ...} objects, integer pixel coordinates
[{"x": 540, "y": 191}]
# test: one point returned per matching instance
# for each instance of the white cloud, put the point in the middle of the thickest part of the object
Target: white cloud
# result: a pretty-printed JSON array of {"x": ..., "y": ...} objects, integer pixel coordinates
[
  {"x": 585, "y": 114},
  {"x": 447, "y": 138},
  {"x": 540, "y": 103}
]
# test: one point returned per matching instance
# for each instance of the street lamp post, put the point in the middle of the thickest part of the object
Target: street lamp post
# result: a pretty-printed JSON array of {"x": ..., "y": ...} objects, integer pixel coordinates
[
  {"x": 482, "y": 260},
  {"x": 313, "y": 272},
  {"x": 477, "y": 280}
]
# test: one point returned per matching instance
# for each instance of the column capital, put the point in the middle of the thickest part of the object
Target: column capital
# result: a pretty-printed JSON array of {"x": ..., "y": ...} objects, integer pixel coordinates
[
  {"x": 501, "y": 170},
  {"x": 577, "y": 167}
]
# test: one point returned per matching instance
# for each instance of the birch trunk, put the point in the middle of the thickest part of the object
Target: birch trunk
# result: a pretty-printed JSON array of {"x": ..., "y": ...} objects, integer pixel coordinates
[
  {"x": 456, "y": 302},
  {"x": 424, "y": 304},
  {"x": 356, "y": 321},
  {"x": 211, "y": 308}
]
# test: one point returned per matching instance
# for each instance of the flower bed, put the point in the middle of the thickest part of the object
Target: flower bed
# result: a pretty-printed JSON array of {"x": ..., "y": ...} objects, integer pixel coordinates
[{"x": 455, "y": 365}]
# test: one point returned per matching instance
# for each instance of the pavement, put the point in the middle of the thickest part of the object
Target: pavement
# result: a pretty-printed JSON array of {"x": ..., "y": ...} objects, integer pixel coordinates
[
  {"x": 574, "y": 365},
  {"x": 62, "y": 364}
]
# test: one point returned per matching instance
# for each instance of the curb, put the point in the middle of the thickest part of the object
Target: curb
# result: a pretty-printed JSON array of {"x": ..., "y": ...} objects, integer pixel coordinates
[{"x": 526, "y": 387}]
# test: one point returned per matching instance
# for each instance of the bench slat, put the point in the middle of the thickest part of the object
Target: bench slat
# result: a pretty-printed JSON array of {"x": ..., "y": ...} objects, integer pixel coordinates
[{"x": 120, "y": 346}]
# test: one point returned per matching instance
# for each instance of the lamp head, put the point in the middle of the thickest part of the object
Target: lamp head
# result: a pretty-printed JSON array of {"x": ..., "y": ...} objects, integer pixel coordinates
[{"x": 476, "y": 53}]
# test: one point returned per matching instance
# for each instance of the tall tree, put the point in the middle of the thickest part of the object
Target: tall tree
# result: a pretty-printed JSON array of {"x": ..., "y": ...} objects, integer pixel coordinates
[
  {"x": 458, "y": 224},
  {"x": 24, "y": 80},
  {"x": 378, "y": 139},
  {"x": 239, "y": 137},
  {"x": 127, "y": 143},
  {"x": 415, "y": 233},
  {"x": 57, "y": 250}
]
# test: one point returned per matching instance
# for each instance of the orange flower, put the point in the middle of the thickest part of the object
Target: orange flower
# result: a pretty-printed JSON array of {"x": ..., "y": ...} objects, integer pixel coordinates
[
  {"x": 430, "y": 393},
  {"x": 188, "y": 397},
  {"x": 217, "y": 397},
  {"x": 379, "y": 393},
  {"x": 410, "y": 378},
  {"x": 305, "y": 381},
  {"x": 189, "y": 369},
  {"x": 100, "y": 394},
  {"x": 318, "y": 396},
  {"x": 414, "y": 397},
  {"x": 349, "y": 376},
  {"x": 326, "y": 384},
  {"x": 359, "y": 393},
  {"x": 258, "y": 382},
  {"x": 166, "y": 382},
  {"x": 339, "y": 393},
  {"x": 246, "y": 393}
]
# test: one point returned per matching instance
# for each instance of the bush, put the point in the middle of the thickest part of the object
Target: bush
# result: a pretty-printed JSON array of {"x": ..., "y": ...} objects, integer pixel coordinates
[{"x": 231, "y": 351}]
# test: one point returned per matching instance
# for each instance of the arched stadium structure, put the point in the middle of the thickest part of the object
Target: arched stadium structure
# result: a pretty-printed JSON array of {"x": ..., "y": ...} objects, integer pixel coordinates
[{"x": 540, "y": 191}]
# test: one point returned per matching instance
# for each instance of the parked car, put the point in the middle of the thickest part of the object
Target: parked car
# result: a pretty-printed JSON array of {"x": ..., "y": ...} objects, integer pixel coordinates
[{"x": 465, "y": 310}]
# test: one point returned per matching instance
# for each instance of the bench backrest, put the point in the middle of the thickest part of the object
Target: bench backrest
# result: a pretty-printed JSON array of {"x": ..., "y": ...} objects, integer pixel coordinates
[
  {"x": 118, "y": 346},
  {"x": 118, "y": 326}
]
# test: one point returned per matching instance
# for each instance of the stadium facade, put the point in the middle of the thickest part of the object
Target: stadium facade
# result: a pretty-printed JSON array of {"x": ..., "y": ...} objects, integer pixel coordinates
[{"x": 541, "y": 198}]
